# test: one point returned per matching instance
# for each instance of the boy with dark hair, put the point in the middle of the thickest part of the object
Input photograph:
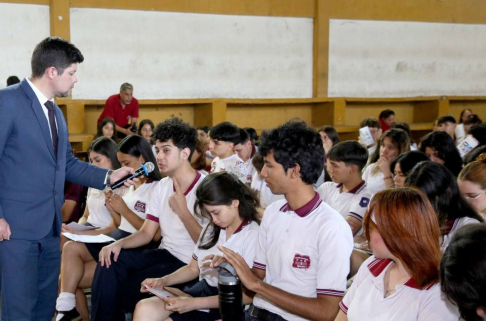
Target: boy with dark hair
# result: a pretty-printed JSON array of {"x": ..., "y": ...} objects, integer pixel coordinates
[
  {"x": 222, "y": 139},
  {"x": 347, "y": 193},
  {"x": 447, "y": 124},
  {"x": 245, "y": 151},
  {"x": 304, "y": 246},
  {"x": 375, "y": 130},
  {"x": 120, "y": 271}
]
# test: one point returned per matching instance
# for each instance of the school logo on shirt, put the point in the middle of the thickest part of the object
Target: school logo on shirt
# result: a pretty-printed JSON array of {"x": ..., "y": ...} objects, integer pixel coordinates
[
  {"x": 140, "y": 207},
  {"x": 364, "y": 202},
  {"x": 301, "y": 261}
]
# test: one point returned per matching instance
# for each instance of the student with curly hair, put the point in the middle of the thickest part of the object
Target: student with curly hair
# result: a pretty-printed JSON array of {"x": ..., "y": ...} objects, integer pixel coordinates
[
  {"x": 440, "y": 148},
  {"x": 304, "y": 246}
]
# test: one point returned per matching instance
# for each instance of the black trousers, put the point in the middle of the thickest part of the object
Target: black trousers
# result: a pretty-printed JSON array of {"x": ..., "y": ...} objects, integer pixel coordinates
[{"x": 116, "y": 290}]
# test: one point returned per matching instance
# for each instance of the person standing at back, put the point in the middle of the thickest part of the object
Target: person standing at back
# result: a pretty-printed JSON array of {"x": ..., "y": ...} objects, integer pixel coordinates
[
  {"x": 35, "y": 160},
  {"x": 123, "y": 108}
]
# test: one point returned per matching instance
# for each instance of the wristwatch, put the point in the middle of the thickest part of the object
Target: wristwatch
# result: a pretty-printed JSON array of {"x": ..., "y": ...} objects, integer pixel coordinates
[{"x": 108, "y": 178}]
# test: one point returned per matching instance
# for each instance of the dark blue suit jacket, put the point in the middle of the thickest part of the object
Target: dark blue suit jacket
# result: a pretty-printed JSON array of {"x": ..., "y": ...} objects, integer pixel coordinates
[{"x": 31, "y": 176}]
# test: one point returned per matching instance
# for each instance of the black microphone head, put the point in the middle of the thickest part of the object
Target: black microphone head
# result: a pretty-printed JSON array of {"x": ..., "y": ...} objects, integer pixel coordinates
[{"x": 149, "y": 166}]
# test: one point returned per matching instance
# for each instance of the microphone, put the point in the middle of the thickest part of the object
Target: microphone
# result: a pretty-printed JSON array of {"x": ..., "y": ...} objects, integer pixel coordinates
[{"x": 143, "y": 170}]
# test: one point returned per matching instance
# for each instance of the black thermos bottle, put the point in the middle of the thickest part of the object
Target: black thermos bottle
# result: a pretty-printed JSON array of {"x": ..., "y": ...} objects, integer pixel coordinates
[{"x": 230, "y": 294}]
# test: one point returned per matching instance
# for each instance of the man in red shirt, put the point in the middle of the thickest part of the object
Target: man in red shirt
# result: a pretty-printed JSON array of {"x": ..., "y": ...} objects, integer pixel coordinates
[{"x": 123, "y": 108}]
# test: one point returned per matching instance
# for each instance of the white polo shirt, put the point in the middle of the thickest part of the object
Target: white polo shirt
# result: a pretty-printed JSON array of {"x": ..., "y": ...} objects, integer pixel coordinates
[
  {"x": 305, "y": 252},
  {"x": 175, "y": 237},
  {"x": 266, "y": 195},
  {"x": 452, "y": 227},
  {"x": 99, "y": 215},
  {"x": 243, "y": 241},
  {"x": 137, "y": 201},
  {"x": 249, "y": 171},
  {"x": 352, "y": 203},
  {"x": 365, "y": 298},
  {"x": 375, "y": 183},
  {"x": 232, "y": 164}
]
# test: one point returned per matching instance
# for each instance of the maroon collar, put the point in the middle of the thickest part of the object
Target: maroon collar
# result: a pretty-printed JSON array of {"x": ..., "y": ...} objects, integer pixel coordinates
[
  {"x": 377, "y": 266},
  {"x": 450, "y": 224},
  {"x": 306, "y": 209},
  {"x": 242, "y": 225},
  {"x": 198, "y": 175},
  {"x": 355, "y": 190}
]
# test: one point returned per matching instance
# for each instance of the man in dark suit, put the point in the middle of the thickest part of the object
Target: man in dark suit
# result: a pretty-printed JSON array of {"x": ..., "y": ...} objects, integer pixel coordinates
[{"x": 35, "y": 160}]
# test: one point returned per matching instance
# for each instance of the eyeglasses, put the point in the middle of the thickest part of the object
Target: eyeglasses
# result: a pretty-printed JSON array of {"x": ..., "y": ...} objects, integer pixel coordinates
[{"x": 473, "y": 198}]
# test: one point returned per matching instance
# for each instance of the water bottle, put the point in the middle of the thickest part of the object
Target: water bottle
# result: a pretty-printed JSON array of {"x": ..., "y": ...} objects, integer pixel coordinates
[{"x": 230, "y": 294}]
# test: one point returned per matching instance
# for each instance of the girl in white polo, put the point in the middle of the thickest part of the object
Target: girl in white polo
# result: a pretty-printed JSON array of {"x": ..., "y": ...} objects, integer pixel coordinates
[
  {"x": 231, "y": 207},
  {"x": 401, "y": 280}
]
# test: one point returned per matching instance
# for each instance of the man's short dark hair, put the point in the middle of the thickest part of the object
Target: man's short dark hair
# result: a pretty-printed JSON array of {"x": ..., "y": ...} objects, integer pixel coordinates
[
  {"x": 446, "y": 119},
  {"x": 370, "y": 122},
  {"x": 54, "y": 52},
  {"x": 225, "y": 132},
  {"x": 244, "y": 137},
  {"x": 182, "y": 134},
  {"x": 350, "y": 152},
  {"x": 463, "y": 270},
  {"x": 12, "y": 80},
  {"x": 295, "y": 143}
]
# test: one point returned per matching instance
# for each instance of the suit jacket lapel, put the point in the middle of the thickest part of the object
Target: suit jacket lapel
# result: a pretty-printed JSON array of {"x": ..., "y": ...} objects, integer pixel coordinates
[
  {"x": 61, "y": 145},
  {"x": 41, "y": 117}
]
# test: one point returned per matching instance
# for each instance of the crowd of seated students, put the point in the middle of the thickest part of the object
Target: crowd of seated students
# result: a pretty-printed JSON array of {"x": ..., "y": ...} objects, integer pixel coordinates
[{"x": 404, "y": 205}]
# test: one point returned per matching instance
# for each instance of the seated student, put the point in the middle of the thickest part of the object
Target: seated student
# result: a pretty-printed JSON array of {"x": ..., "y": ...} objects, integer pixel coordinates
[
  {"x": 347, "y": 193},
  {"x": 145, "y": 129},
  {"x": 123, "y": 265},
  {"x": 447, "y": 124},
  {"x": 387, "y": 119},
  {"x": 478, "y": 132},
  {"x": 376, "y": 132},
  {"x": 404, "y": 163},
  {"x": 472, "y": 121},
  {"x": 253, "y": 134},
  {"x": 74, "y": 196},
  {"x": 392, "y": 144},
  {"x": 460, "y": 131},
  {"x": 245, "y": 151},
  {"x": 223, "y": 138},
  {"x": 231, "y": 208},
  {"x": 472, "y": 184},
  {"x": 102, "y": 153},
  {"x": 401, "y": 280},
  {"x": 203, "y": 134},
  {"x": 12, "y": 80},
  {"x": 258, "y": 184},
  {"x": 440, "y": 148},
  {"x": 406, "y": 128},
  {"x": 463, "y": 271},
  {"x": 440, "y": 186},
  {"x": 329, "y": 138},
  {"x": 128, "y": 214},
  {"x": 106, "y": 128},
  {"x": 304, "y": 246},
  {"x": 198, "y": 158}
]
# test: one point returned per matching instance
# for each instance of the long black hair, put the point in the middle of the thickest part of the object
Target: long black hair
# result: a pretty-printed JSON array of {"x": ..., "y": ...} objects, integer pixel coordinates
[
  {"x": 137, "y": 146},
  {"x": 440, "y": 186},
  {"x": 221, "y": 189},
  {"x": 106, "y": 147},
  {"x": 446, "y": 150},
  {"x": 102, "y": 124}
]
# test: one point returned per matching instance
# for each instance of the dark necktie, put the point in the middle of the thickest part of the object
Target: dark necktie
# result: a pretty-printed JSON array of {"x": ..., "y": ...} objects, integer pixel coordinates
[{"x": 52, "y": 123}]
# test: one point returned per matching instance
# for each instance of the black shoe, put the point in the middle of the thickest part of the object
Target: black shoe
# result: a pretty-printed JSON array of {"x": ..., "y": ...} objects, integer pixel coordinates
[{"x": 72, "y": 315}]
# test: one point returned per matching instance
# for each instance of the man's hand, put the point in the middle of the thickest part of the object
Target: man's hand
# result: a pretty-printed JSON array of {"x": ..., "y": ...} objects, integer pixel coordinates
[
  {"x": 105, "y": 254},
  {"x": 4, "y": 230},
  {"x": 249, "y": 280},
  {"x": 122, "y": 172},
  {"x": 177, "y": 201}
]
